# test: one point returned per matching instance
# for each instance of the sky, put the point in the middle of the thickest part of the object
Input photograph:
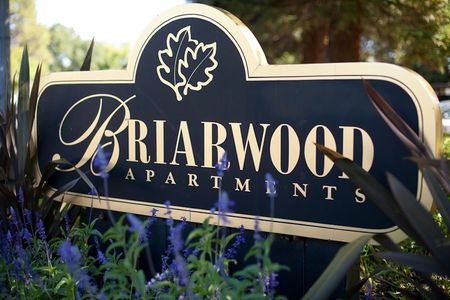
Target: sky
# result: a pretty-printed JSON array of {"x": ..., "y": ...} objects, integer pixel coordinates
[{"x": 116, "y": 22}]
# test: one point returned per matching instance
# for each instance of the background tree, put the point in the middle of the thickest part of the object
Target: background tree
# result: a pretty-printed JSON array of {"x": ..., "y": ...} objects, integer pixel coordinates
[
  {"x": 59, "y": 47},
  {"x": 411, "y": 33},
  {"x": 26, "y": 31}
]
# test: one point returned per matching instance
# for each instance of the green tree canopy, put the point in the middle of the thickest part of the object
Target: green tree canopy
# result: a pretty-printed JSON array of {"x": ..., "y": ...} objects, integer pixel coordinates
[
  {"x": 58, "y": 48},
  {"x": 412, "y": 33}
]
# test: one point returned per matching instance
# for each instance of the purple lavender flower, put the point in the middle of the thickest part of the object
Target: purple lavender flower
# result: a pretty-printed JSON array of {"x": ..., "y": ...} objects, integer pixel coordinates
[
  {"x": 176, "y": 244},
  {"x": 222, "y": 165},
  {"x": 270, "y": 282},
  {"x": 17, "y": 270},
  {"x": 220, "y": 266},
  {"x": 42, "y": 235},
  {"x": 224, "y": 207},
  {"x": 256, "y": 233},
  {"x": 9, "y": 237},
  {"x": 238, "y": 241},
  {"x": 100, "y": 255},
  {"x": 101, "y": 162},
  {"x": 67, "y": 224},
  {"x": 137, "y": 226},
  {"x": 41, "y": 229},
  {"x": 20, "y": 196},
  {"x": 271, "y": 183},
  {"x": 13, "y": 220},
  {"x": 168, "y": 213},
  {"x": 26, "y": 235},
  {"x": 368, "y": 293},
  {"x": 28, "y": 218},
  {"x": 150, "y": 222},
  {"x": 93, "y": 192},
  {"x": 71, "y": 257}
]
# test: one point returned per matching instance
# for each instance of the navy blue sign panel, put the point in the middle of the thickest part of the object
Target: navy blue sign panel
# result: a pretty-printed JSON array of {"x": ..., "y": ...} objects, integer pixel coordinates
[{"x": 198, "y": 86}]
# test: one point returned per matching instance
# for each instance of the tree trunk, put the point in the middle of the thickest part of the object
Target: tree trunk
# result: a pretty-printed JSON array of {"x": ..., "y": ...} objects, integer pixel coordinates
[
  {"x": 345, "y": 32},
  {"x": 4, "y": 53},
  {"x": 314, "y": 40},
  {"x": 345, "y": 44}
]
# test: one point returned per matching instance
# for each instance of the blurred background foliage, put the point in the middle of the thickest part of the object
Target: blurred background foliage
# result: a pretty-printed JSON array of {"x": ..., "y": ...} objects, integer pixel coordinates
[
  {"x": 58, "y": 48},
  {"x": 411, "y": 33}
]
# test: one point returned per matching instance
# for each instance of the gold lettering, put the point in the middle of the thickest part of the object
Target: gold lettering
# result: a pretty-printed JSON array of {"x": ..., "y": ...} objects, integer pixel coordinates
[
  {"x": 330, "y": 189},
  {"x": 192, "y": 180},
  {"x": 159, "y": 135},
  {"x": 96, "y": 132},
  {"x": 360, "y": 196},
  {"x": 150, "y": 175},
  {"x": 209, "y": 145},
  {"x": 170, "y": 179},
  {"x": 183, "y": 132},
  {"x": 293, "y": 149},
  {"x": 368, "y": 151},
  {"x": 255, "y": 148},
  {"x": 130, "y": 175},
  {"x": 311, "y": 150},
  {"x": 132, "y": 141},
  {"x": 242, "y": 186},
  {"x": 301, "y": 190},
  {"x": 217, "y": 181}
]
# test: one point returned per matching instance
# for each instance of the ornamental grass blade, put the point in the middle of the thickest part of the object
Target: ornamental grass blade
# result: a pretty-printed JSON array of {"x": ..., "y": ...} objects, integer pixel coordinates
[
  {"x": 403, "y": 131},
  {"x": 385, "y": 241},
  {"x": 34, "y": 94},
  {"x": 439, "y": 197},
  {"x": 337, "y": 269},
  {"x": 86, "y": 66},
  {"x": 65, "y": 188},
  {"x": 23, "y": 120},
  {"x": 375, "y": 191},
  {"x": 425, "y": 264},
  {"x": 439, "y": 168},
  {"x": 420, "y": 219},
  {"x": 31, "y": 161}
]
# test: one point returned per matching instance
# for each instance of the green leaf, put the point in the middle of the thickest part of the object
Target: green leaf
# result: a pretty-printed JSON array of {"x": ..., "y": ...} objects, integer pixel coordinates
[
  {"x": 403, "y": 131},
  {"x": 426, "y": 264},
  {"x": 337, "y": 269},
  {"x": 375, "y": 191},
  {"x": 439, "y": 197},
  {"x": 385, "y": 241},
  {"x": 66, "y": 187},
  {"x": 23, "y": 121},
  {"x": 86, "y": 66},
  {"x": 420, "y": 219}
]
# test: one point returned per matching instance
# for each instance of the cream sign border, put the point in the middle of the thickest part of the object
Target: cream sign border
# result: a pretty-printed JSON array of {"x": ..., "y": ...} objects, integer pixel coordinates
[{"x": 257, "y": 69}]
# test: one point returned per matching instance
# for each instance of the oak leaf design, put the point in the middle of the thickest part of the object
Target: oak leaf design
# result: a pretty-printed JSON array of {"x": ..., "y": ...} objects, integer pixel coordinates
[
  {"x": 196, "y": 67},
  {"x": 170, "y": 58}
]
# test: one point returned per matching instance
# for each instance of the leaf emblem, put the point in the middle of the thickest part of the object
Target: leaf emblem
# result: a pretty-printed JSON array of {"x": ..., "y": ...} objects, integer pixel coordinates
[
  {"x": 196, "y": 67},
  {"x": 171, "y": 56},
  {"x": 186, "y": 64}
]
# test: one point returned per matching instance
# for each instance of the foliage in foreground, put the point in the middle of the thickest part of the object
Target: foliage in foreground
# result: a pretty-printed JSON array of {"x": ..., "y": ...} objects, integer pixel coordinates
[
  {"x": 420, "y": 267},
  {"x": 85, "y": 263}
]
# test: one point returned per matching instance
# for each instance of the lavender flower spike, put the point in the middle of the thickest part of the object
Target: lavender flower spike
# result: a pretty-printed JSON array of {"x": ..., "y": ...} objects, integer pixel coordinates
[
  {"x": 271, "y": 183},
  {"x": 137, "y": 226},
  {"x": 222, "y": 165},
  {"x": 101, "y": 162},
  {"x": 224, "y": 206},
  {"x": 239, "y": 240},
  {"x": 71, "y": 256}
]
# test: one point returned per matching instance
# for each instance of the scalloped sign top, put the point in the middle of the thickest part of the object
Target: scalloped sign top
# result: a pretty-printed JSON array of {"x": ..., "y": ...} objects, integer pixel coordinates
[{"x": 198, "y": 86}]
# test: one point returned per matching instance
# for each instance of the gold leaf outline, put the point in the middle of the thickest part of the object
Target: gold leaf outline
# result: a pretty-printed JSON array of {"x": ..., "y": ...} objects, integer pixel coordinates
[{"x": 182, "y": 33}]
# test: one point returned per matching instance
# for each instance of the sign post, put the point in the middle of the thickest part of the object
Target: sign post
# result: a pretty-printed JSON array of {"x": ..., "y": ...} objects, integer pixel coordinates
[{"x": 198, "y": 85}]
